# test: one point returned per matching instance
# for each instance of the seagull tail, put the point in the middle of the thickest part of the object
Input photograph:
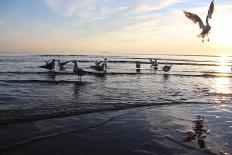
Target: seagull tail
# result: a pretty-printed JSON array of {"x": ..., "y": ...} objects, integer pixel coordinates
[{"x": 201, "y": 35}]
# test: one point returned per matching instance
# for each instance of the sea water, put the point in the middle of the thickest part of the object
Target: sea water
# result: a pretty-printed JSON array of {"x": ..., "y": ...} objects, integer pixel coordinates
[{"x": 28, "y": 92}]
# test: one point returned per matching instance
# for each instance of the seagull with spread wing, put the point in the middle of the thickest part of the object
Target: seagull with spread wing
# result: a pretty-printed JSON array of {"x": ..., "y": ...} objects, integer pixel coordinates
[
  {"x": 62, "y": 64},
  {"x": 196, "y": 19}
]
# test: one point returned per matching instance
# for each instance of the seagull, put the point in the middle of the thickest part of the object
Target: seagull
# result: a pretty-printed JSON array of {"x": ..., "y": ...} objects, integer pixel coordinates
[
  {"x": 138, "y": 65},
  {"x": 100, "y": 66},
  {"x": 196, "y": 19},
  {"x": 154, "y": 63},
  {"x": 78, "y": 71},
  {"x": 49, "y": 66},
  {"x": 97, "y": 63},
  {"x": 62, "y": 64},
  {"x": 105, "y": 62},
  {"x": 167, "y": 68}
]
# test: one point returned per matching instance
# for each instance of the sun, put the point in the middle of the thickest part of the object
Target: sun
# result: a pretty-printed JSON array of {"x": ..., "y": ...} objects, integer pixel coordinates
[{"x": 222, "y": 31}]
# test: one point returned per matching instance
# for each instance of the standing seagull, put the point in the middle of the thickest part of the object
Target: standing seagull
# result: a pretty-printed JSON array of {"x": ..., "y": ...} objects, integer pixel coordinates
[
  {"x": 196, "y": 19},
  {"x": 154, "y": 63},
  {"x": 138, "y": 66},
  {"x": 105, "y": 62},
  {"x": 49, "y": 66},
  {"x": 167, "y": 68},
  {"x": 100, "y": 66},
  {"x": 78, "y": 71}
]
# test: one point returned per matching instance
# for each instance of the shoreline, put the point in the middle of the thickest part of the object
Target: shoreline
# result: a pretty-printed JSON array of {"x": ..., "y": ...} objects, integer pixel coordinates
[
  {"x": 142, "y": 130},
  {"x": 8, "y": 121}
]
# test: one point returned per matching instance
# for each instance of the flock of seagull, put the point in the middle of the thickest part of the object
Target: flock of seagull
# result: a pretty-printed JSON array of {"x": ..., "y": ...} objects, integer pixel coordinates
[{"x": 100, "y": 66}]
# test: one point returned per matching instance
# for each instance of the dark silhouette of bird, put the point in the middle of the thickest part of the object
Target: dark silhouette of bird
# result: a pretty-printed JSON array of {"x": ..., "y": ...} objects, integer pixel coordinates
[
  {"x": 100, "y": 66},
  {"x": 138, "y": 66},
  {"x": 49, "y": 66},
  {"x": 167, "y": 68},
  {"x": 61, "y": 65},
  {"x": 154, "y": 63},
  {"x": 78, "y": 71}
]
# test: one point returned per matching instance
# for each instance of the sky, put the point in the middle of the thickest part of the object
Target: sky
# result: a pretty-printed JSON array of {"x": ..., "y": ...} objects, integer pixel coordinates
[{"x": 123, "y": 26}]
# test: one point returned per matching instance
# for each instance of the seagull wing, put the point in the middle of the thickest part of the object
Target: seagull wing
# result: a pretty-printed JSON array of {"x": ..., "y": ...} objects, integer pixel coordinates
[
  {"x": 195, "y": 18},
  {"x": 64, "y": 63},
  {"x": 97, "y": 63},
  {"x": 211, "y": 10}
]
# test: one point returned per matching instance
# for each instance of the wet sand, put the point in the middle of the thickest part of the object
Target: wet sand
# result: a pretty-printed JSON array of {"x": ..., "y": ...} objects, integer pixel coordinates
[{"x": 147, "y": 130}]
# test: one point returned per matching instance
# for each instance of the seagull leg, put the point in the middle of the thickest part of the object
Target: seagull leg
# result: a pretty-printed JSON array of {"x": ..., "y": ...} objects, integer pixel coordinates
[
  {"x": 208, "y": 39},
  {"x": 203, "y": 40}
]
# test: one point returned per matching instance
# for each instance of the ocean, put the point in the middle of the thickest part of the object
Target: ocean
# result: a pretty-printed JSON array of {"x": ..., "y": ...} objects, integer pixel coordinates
[{"x": 28, "y": 92}]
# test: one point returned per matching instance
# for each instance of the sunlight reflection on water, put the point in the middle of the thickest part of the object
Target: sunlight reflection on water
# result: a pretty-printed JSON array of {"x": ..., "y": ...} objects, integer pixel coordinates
[{"x": 222, "y": 86}]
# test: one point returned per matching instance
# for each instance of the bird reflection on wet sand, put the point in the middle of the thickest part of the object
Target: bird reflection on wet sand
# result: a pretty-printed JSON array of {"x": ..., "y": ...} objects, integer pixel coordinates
[
  {"x": 51, "y": 75},
  {"x": 165, "y": 77},
  {"x": 77, "y": 86},
  {"x": 198, "y": 134}
]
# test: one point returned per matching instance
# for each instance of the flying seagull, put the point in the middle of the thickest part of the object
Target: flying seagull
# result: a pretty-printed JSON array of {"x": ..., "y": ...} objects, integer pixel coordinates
[{"x": 196, "y": 19}]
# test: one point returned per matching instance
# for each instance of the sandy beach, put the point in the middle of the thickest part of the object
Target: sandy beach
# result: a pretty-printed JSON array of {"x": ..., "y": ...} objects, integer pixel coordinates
[{"x": 150, "y": 130}]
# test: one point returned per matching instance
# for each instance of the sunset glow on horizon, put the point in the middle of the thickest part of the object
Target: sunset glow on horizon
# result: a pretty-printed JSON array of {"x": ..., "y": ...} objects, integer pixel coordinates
[{"x": 129, "y": 26}]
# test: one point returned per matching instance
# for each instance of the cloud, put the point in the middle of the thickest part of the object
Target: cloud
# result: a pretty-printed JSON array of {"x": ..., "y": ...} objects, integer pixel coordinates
[
  {"x": 67, "y": 8},
  {"x": 85, "y": 8}
]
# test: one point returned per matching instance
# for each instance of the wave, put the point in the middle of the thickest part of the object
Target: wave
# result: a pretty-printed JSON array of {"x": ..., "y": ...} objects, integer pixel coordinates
[
  {"x": 41, "y": 81},
  {"x": 111, "y": 74},
  {"x": 126, "y": 59},
  {"x": 125, "y": 54},
  {"x": 162, "y": 63},
  {"x": 158, "y": 56},
  {"x": 133, "y": 60},
  {"x": 221, "y": 94},
  {"x": 11, "y": 117},
  {"x": 166, "y": 61},
  {"x": 93, "y": 72},
  {"x": 184, "y": 55}
]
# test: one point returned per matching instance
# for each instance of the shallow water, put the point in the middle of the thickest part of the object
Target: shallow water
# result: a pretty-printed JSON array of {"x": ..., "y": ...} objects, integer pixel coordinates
[{"x": 28, "y": 92}]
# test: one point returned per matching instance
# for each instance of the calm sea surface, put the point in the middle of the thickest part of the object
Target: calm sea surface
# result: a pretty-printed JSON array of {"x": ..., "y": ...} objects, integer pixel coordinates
[{"x": 28, "y": 92}]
